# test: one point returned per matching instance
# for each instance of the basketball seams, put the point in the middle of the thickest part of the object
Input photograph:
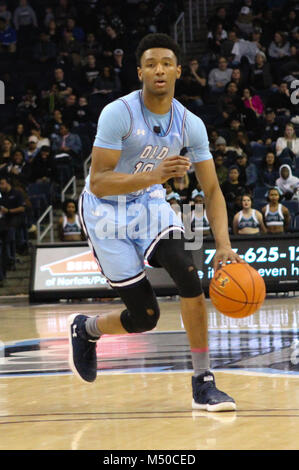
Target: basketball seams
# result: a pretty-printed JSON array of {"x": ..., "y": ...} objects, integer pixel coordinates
[
  {"x": 233, "y": 300},
  {"x": 241, "y": 288}
]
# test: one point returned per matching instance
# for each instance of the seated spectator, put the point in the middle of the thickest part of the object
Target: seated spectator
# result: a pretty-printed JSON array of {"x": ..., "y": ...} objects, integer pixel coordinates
[
  {"x": 108, "y": 83},
  {"x": 219, "y": 77},
  {"x": 64, "y": 10},
  {"x": 198, "y": 77},
  {"x": 227, "y": 46},
  {"x": 269, "y": 129},
  {"x": 66, "y": 143},
  {"x": 175, "y": 201},
  {"x": 260, "y": 76},
  {"x": 221, "y": 170},
  {"x": 287, "y": 147},
  {"x": 229, "y": 104},
  {"x": 13, "y": 208},
  {"x": 287, "y": 183},
  {"x": 41, "y": 140},
  {"x": 28, "y": 104},
  {"x": 221, "y": 16},
  {"x": 32, "y": 149},
  {"x": 42, "y": 166},
  {"x": 19, "y": 136},
  {"x": 112, "y": 40},
  {"x": 69, "y": 224},
  {"x": 215, "y": 37},
  {"x": 232, "y": 187},
  {"x": 245, "y": 21},
  {"x": 237, "y": 78},
  {"x": 6, "y": 151},
  {"x": 248, "y": 221},
  {"x": 64, "y": 88},
  {"x": 44, "y": 51},
  {"x": 54, "y": 123},
  {"x": 18, "y": 170},
  {"x": 213, "y": 135},
  {"x": 278, "y": 52},
  {"x": 269, "y": 173},
  {"x": 76, "y": 31},
  {"x": 276, "y": 216},
  {"x": 81, "y": 117},
  {"x": 199, "y": 219},
  {"x": 69, "y": 108},
  {"x": 91, "y": 72},
  {"x": 90, "y": 46},
  {"x": 248, "y": 174},
  {"x": 228, "y": 153},
  {"x": 189, "y": 92},
  {"x": 280, "y": 101},
  {"x": 239, "y": 140},
  {"x": 244, "y": 53},
  {"x": 253, "y": 102},
  {"x": 8, "y": 37},
  {"x": 182, "y": 187},
  {"x": 4, "y": 12},
  {"x": 53, "y": 32}
]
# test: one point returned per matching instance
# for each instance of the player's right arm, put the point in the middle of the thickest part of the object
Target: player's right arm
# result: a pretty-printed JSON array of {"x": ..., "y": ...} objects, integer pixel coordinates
[
  {"x": 104, "y": 181},
  {"x": 114, "y": 124}
]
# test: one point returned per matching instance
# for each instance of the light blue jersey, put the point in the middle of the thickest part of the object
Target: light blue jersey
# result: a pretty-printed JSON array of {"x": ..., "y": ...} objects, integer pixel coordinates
[{"x": 123, "y": 230}]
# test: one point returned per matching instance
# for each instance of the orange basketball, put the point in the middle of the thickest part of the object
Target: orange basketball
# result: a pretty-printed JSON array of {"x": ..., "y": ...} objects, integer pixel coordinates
[{"x": 237, "y": 290}]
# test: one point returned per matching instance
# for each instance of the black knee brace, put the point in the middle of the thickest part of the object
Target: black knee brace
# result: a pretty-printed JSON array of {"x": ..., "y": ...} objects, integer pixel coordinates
[
  {"x": 178, "y": 262},
  {"x": 142, "y": 313}
]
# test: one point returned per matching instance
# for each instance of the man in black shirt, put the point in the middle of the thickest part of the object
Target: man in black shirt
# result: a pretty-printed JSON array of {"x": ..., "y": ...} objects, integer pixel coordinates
[{"x": 12, "y": 211}]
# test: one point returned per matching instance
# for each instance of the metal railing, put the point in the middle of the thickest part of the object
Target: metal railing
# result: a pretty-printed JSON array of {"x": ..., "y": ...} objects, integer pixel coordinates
[
  {"x": 48, "y": 228},
  {"x": 179, "y": 31},
  {"x": 72, "y": 182},
  {"x": 86, "y": 166}
]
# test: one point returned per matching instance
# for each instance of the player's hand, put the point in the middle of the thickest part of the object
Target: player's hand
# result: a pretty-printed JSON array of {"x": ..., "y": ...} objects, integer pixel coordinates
[
  {"x": 225, "y": 255},
  {"x": 172, "y": 167}
]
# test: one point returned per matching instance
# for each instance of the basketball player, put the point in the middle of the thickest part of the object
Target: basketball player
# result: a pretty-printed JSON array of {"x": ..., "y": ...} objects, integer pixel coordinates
[{"x": 137, "y": 148}]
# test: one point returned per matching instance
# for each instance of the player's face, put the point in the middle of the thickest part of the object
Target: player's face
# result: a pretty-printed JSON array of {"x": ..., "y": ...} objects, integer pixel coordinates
[{"x": 159, "y": 71}]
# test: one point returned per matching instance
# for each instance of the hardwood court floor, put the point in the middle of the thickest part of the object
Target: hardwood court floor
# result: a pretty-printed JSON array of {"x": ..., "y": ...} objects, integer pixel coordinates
[{"x": 141, "y": 399}]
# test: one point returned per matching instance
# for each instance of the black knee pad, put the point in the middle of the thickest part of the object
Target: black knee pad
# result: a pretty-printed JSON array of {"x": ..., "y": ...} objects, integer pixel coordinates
[
  {"x": 142, "y": 312},
  {"x": 178, "y": 262}
]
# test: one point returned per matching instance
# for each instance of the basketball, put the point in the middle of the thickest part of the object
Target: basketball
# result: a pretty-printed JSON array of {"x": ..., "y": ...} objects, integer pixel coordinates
[{"x": 237, "y": 290}]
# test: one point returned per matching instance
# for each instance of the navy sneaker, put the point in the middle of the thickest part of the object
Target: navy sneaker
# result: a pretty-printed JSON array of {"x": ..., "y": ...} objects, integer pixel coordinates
[
  {"x": 207, "y": 397},
  {"x": 82, "y": 349}
]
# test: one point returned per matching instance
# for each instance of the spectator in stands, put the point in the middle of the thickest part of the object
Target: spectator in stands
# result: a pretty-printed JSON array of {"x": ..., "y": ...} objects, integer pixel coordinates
[
  {"x": 248, "y": 221},
  {"x": 175, "y": 201},
  {"x": 287, "y": 147},
  {"x": 70, "y": 108},
  {"x": 90, "y": 46},
  {"x": 67, "y": 142},
  {"x": 32, "y": 150},
  {"x": 19, "y": 136},
  {"x": 229, "y": 104},
  {"x": 240, "y": 143},
  {"x": 232, "y": 187},
  {"x": 245, "y": 21},
  {"x": 6, "y": 151},
  {"x": 221, "y": 169},
  {"x": 227, "y": 46},
  {"x": 76, "y": 31},
  {"x": 8, "y": 37},
  {"x": 219, "y": 77},
  {"x": 109, "y": 17},
  {"x": 67, "y": 46},
  {"x": 269, "y": 130},
  {"x": 24, "y": 16},
  {"x": 260, "y": 76},
  {"x": 237, "y": 78},
  {"x": 276, "y": 216},
  {"x": 69, "y": 224},
  {"x": 215, "y": 38},
  {"x": 18, "y": 171},
  {"x": 199, "y": 219},
  {"x": 90, "y": 72},
  {"x": 182, "y": 186},
  {"x": 189, "y": 92},
  {"x": 64, "y": 88},
  {"x": 228, "y": 153},
  {"x": 54, "y": 123},
  {"x": 108, "y": 83},
  {"x": 111, "y": 41},
  {"x": 41, "y": 140},
  {"x": 28, "y": 104},
  {"x": 269, "y": 173},
  {"x": 4, "y": 12},
  {"x": 278, "y": 52},
  {"x": 64, "y": 10},
  {"x": 254, "y": 105},
  {"x": 44, "y": 51},
  {"x": 42, "y": 166},
  {"x": 13, "y": 208},
  {"x": 280, "y": 101},
  {"x": 248, "y": 174},
  {"x": 213, "y": 136},
  {"x": 287, "y": 183},
  {"x": 197, "y": 75},
  {"x": 220, "y": 16}
]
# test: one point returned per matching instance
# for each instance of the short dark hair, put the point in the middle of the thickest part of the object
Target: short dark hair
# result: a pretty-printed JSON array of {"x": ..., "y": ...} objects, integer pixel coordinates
[
  {"x": 67, "y": 202},
  {"x": 154, "y": 40}
]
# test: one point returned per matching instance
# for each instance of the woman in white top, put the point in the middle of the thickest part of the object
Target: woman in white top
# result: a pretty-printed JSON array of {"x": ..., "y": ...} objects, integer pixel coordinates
[
  {"x": 288, "y": 141},
  {"x": 276, "y": 216},
  {"x": 248, "y": 221},
  {"x": 69, "y": 224}
]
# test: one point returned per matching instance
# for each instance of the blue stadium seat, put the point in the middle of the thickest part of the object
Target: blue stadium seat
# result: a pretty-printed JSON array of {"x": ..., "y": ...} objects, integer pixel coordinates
[
  {"x": 260, "y": 192},
  {"x": 295, "y": 224}
]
